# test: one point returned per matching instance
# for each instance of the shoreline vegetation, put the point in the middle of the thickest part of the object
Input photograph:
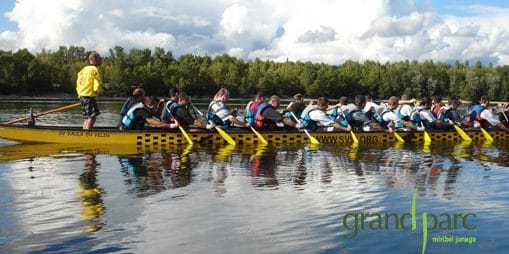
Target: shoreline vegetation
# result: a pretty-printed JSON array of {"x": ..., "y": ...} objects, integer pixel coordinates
[
  {"x": 52, "y": 74},
  {"x": 198, "y": 100}
]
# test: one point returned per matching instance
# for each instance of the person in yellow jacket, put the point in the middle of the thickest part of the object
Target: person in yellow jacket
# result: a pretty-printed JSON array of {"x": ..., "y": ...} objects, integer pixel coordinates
[{"x": 88, "y": 86}]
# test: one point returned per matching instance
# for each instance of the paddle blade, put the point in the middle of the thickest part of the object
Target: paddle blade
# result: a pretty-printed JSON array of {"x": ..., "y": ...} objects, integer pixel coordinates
[
  {"x": 462, "y": 133},
  {"x": 312, "y": 139},
  {"x": 354, "y": 138},
  {"x": 261, "y": 139},
  {"x": 398, "y": 137},
  {"x": 487, "y": 136},
  {"x": 225, "y": 136},
  {"x": 427, "y": 138},
  {"x": 186, "y": 136}
]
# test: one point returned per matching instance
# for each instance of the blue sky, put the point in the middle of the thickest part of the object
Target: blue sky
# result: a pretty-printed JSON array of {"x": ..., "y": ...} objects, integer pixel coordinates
[
  {"x": 445, "y": 7},
  {"x": 5, "y": 24},
  {"x": 460, "y": 7},
  {"x": 298, "y": 30}
]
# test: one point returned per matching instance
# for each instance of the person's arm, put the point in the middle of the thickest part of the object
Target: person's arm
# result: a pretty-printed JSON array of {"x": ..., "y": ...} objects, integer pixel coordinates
[
  {"x": 97, "y": 81},
  {"x": 199, "y": 124},
  {"x": 238, "y": 122},
  {"x": 158, "y": 124},
  {"x": 432, "y": 119},
  {"x": 322, "y": 118},
  {"x": 145, "y": 114},
  {"x": 340, "y": 127},
  {"x": 391, "y": 116},
  {"x": 184, "y": 118}
]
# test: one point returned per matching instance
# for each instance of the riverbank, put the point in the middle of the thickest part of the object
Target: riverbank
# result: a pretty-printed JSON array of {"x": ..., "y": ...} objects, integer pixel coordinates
[
  {"x": 72, "y": 97},
  {"x": 52, "y": 97}
]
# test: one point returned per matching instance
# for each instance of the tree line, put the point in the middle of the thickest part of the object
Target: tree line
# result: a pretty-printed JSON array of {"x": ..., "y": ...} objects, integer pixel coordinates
[{"x": 47, "y": 72}]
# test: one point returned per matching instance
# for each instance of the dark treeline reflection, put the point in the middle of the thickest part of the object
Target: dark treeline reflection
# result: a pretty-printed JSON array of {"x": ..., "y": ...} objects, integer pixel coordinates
[{"x": 269, "y": 168}]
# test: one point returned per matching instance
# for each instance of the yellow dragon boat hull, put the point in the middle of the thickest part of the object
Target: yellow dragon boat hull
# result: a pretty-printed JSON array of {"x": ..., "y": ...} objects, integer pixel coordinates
[{"x": 161, "y": 138}]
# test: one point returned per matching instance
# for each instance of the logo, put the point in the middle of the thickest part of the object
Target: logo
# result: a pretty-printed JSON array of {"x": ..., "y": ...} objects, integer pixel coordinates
[{"x": 353, "y": 223}]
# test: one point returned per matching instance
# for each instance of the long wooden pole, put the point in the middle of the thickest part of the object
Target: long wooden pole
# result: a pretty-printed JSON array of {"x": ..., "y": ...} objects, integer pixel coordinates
[{"x": 44, "y": 113}]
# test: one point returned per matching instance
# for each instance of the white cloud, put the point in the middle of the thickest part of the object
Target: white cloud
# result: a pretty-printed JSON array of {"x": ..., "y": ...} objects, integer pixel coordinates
[
  {"x": 324, "y": 34},
  {"x": 320, "y": 31}
]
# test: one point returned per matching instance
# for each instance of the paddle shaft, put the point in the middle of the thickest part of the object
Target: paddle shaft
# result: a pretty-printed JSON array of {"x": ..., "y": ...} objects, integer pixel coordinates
[
  {"x": 260, "y": 137},
  {"x": 44, "y": 113},
  {"x": 503, "y": 113},
  {"x": 354, "y": 138},
  {"x": 196, "y": 110},
  {"x": 313, "y": 140},
  {"x": 224, "y": 135},
  {"x": 184, "y": 133},
  {"x": 263, "y": 141}
]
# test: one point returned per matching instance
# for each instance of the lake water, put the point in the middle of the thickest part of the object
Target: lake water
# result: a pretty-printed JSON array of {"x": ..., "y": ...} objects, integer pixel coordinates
[{"x": 248, "y": 199}]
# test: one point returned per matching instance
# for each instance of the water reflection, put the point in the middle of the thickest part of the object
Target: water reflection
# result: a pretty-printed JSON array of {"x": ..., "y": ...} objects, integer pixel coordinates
[
  {"x": 92, "y": 206},
  {"x": 222, "y": 159},
  {"x": 262, "y": 167},
  {"x": 153, "y": 172},
  {"x": 317, "y": 181}
]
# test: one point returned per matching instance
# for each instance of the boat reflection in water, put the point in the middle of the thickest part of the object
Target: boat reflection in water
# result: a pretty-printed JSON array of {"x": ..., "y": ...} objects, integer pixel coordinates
[
  {"x": 152, "y": 171},
  {"x": 130, "y": 193}
]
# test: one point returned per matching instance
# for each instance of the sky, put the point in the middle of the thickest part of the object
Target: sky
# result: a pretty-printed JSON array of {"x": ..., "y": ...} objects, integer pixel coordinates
[{"x": 325, "y": 31}]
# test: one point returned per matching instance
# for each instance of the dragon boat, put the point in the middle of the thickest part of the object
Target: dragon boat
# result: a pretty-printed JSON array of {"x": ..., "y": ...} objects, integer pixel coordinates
[{"x": 164, "y": 138}]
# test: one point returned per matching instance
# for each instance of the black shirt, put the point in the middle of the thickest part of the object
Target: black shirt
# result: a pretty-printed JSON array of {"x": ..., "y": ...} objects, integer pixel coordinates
[
  {"x": 272, "y": 114},
  {"x": 183, "y": 116},
  {"x": 140, "y": 115},
  {"x": 297, "y": 108}
]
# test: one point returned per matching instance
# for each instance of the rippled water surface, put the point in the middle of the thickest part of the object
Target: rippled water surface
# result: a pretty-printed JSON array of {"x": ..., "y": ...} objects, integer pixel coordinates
[{"x": 249, "y": 199}]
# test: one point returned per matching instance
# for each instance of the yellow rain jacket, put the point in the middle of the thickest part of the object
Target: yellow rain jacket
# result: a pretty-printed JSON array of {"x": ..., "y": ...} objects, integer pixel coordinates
[{"x": 89, "y": 82}]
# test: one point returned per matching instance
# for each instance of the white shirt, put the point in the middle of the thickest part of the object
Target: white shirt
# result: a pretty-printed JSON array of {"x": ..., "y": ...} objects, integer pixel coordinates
[
  {"x": 427, "y": 115},
  {"x": 391, "y": 116},
  {"x": 321, "y": 117},
  {"x": 370, "y": 104},
  {"x": 490, "y": 117},
  {"x": 405, "y": 110},
  {"x": 218, "y": 108}
]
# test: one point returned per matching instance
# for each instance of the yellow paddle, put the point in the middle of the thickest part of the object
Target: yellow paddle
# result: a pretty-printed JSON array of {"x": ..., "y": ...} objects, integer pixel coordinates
[
  {"x": 427, "y": 138},
  {"x": 262, "y": 140},
  {"x": 462, "y": 133},
  {"x": 260, "y": 137},
  {"x": 398, "y": 137},
  {"x": 186, "y": 136},
  {"x": 312, "y": 140},
  {"x": 354, "y": 138},
  {"x": 44, "y": 113},
  {"x": 225, "y": 136},
  {"x": 487, "y": 136}
]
